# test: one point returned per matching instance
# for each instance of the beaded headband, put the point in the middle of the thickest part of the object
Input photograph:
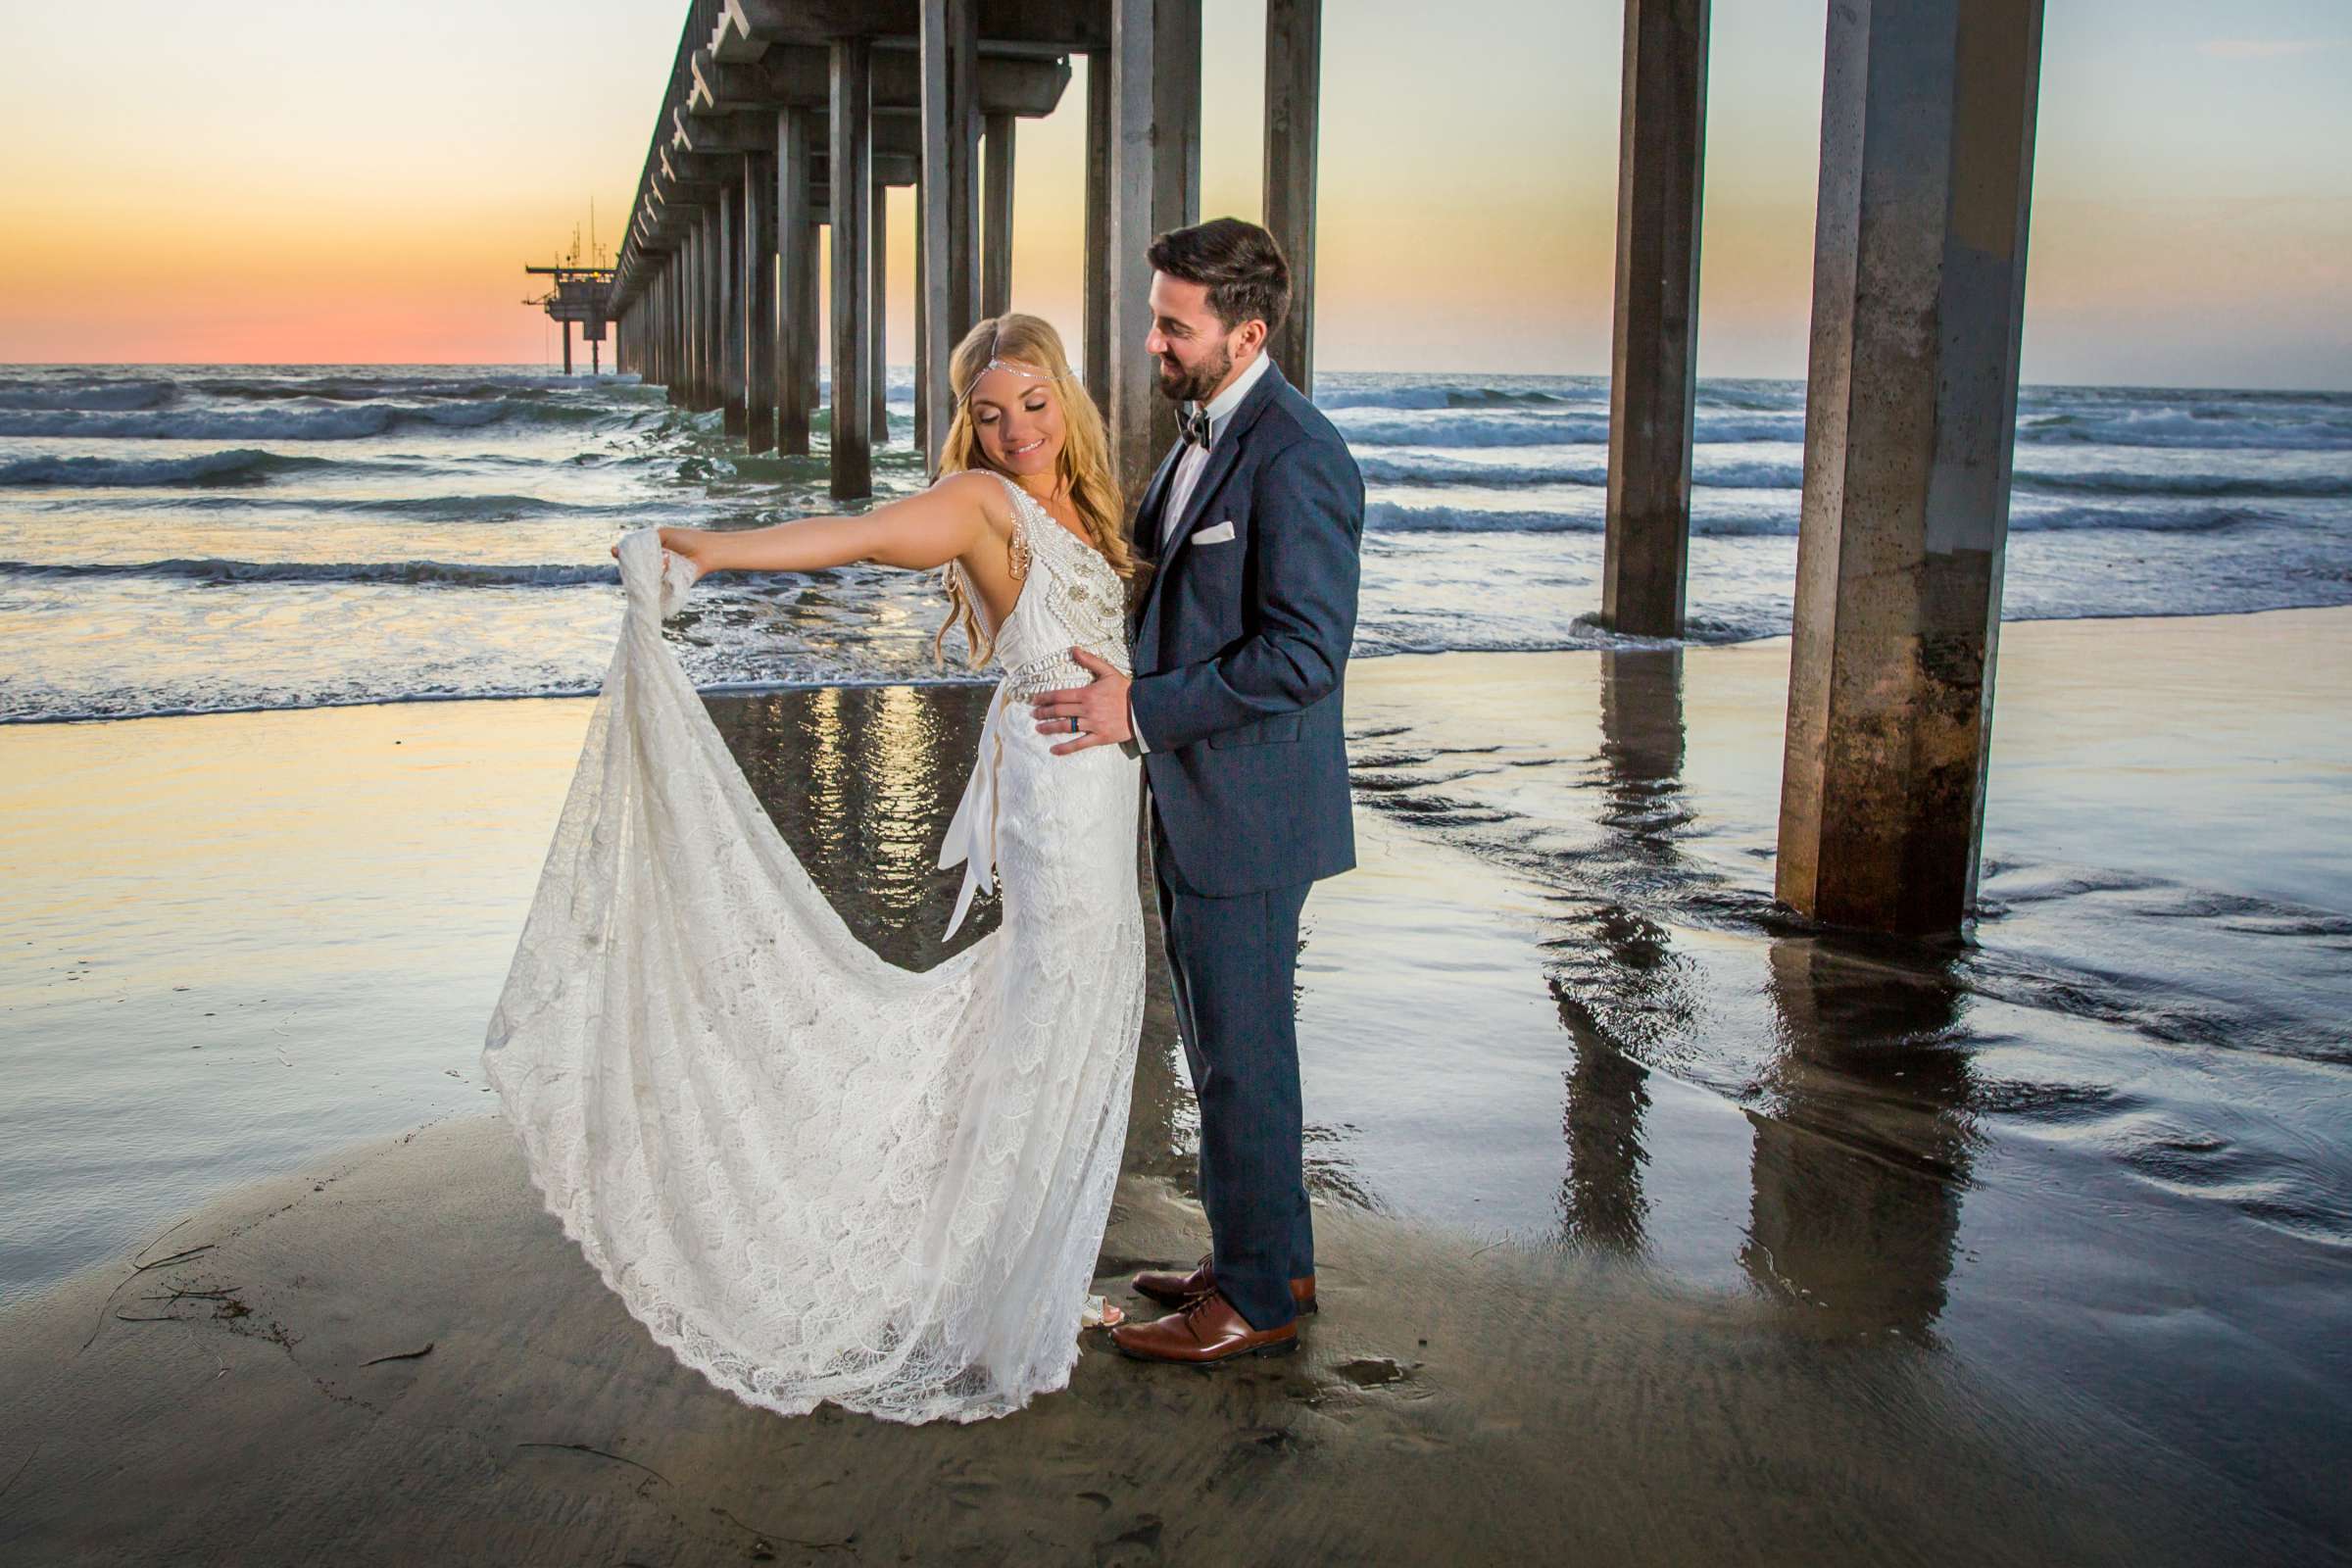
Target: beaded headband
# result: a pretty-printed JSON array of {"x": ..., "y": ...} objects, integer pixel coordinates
[{"x": 1016, "y": 367}]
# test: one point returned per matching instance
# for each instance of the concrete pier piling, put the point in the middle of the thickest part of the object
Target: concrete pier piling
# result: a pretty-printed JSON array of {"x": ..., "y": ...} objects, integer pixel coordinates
[
  {"x": 760, "y": 307},
  {"x": 727, "y": 261},
  {"x": 947, "y": 271},
  {"x": 850, "y": 175},
  {"x": 1293, "y": 111},
  {"x": 1927, "y": 112},
  {"x": 1653, "y": 367},
  {"x": 995, "y": 247},
  {"x": 796, "y": 251}
]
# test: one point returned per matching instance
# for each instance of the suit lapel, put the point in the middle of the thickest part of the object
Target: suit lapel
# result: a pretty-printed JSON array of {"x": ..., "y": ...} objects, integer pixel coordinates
[
  {"x": 1222, "y": 456},
  {"x": 1156, "y": 495}
]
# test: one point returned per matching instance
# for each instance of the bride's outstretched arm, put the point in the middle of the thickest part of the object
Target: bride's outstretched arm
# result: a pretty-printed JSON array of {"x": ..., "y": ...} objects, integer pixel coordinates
[{"x": 923, "y": 530}]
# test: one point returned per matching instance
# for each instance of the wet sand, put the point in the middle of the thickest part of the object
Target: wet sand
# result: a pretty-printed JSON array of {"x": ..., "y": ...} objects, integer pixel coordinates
[{"x": 1654, "y": 1226}]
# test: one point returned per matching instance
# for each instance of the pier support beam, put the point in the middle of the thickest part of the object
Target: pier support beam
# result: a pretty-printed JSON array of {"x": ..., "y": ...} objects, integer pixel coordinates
[
  {"x": 922, "y": 338},
  {"x": 1928, "y": 112},
  {"x": 732, "y": 343},
  {"x": 996, "y": 265},
  {"x": 1155, "y": 181},
  {"x": 567, "y": 348},
  {"x": 681, "y": 327},
  {"x": 1653, "y": 367},
  {"x": 706, "y": 313},
  {"x": 759, "y": 262},
  {"x": 1293, "y": 111},
  {"x": 1101, "y": 130},
  {"x": 797, "y": 258},
  {"x": 690, "y": 318},
  {"x": 878, "y": 298},
  {"x": 950, "y": 263},
  {"x": 851, "y": 174}
]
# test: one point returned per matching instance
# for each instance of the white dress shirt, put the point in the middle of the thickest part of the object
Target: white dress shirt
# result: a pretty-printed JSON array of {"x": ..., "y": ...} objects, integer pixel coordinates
[{"x": 1188, "y": 475}]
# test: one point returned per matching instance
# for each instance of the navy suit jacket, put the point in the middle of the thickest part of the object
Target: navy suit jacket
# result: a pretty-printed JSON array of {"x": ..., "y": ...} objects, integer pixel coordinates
[{"x": 1241, "y": 651}]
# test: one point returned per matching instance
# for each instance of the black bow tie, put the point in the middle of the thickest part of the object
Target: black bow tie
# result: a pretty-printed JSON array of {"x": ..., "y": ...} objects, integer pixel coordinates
[{"x": 1193, "y": 425}]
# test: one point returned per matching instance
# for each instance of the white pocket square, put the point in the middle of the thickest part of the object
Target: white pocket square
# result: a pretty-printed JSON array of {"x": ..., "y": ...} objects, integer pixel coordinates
[{"x": 1216, "y": 534}]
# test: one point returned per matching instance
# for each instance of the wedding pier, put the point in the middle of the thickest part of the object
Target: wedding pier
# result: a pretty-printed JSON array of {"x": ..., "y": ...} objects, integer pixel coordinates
[{"x": 784, "y": 120}]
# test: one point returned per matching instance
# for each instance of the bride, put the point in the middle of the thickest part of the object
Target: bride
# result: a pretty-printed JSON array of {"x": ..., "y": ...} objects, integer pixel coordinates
[{"x": 813, "y": 1175}]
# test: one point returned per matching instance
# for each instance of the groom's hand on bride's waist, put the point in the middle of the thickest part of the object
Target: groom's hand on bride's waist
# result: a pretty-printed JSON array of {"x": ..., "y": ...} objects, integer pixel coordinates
[{"x": 1100, "y": 707}]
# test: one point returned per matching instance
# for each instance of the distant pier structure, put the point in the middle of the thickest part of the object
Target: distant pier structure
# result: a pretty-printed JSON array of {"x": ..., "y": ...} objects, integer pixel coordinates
[
  {"x": 582, "y": 296},
  {"x": 784, "y": 120}
]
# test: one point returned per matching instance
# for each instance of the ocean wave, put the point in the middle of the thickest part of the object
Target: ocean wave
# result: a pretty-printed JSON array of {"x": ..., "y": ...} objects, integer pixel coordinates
[
  {"x": 400, "y": 574},
  {"x": 335, "y": 422},
  {"x": 408, "y": 574},
  {"x": 1459, "y": 428},
  {"x": 1440, "y": 397},
  {"x": 2114, "y": 482},
  {"x": 97, "y": 395},
  {"x": 237, "y": 466},
  {"x": 362, "y": 389},
  {"x": 1436, "y": 469},
  {"x": 1765, "y": 521},
  {"x": 2227, "y": 425}
]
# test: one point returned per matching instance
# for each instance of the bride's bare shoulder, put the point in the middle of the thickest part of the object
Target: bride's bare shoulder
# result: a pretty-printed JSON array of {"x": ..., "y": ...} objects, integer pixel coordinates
[{"x": 975, "y": 487}]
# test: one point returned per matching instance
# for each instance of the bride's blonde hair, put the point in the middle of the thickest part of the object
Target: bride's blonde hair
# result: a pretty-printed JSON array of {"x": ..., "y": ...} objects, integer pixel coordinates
[{"x": 1083, "y": 466}]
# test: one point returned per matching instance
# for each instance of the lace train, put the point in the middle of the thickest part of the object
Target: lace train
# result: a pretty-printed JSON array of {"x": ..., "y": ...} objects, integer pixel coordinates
[{"x": 811, "y": 1174}]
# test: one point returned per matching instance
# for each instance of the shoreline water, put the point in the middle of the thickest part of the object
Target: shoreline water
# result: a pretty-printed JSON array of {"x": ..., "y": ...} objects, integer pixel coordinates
[
  {"x": 245, "y": 539},
  {"x": 2079, "y": 1167}
]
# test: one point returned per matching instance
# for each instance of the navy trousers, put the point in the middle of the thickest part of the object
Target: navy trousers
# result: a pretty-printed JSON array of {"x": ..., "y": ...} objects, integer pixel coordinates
[{"x": 1232, "y": 962}]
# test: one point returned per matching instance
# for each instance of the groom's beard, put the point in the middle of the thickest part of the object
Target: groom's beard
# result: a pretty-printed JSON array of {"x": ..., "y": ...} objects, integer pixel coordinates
[{"x": 1197, "y": 386}]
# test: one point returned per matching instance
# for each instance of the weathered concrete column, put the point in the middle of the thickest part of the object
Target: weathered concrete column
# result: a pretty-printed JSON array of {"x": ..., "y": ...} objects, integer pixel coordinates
[
  {"x": 813, "y": 306},
  {"x": 877, "y": 309},
  {"x": 851, "y": 174},
  {"x": 760, "y": 261},
  {"x": 681, "y": 388},
  {"x": 922, "y": 337},
  {"x": 690, "y": 319},
  {"x": 1654, "y": 368},
  {"x": 995, "y": 250},
  {"x": 713, "y": 313},
  {"x": 706, "y": 316},
  {"x": 948, "y": 266},
  {"x": 670, "y": 376},
  {"x": 1293, "y": 111},
  {"x": 732, "y": 344},
  {"x": 796, "y": 259},
  {"x": 1101, "y": 132},
  {"x": 1154, "y": 184},
  {"x": 1919, "y": 267},
  {"x": 697, "y": 310}
]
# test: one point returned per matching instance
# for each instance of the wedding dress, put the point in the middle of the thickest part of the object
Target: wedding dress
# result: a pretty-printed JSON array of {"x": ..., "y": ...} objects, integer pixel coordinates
[{"x": 813, "y": 1175}]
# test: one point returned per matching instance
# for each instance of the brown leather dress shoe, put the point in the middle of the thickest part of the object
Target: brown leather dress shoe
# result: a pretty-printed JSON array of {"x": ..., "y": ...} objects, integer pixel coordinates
[
  {"x": 1171, "y": 1289},
  {"x": 1206, "y": 1331}
]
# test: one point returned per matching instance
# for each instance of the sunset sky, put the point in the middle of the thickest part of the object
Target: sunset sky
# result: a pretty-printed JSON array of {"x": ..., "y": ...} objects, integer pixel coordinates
[{"x": 274, "y": 183}]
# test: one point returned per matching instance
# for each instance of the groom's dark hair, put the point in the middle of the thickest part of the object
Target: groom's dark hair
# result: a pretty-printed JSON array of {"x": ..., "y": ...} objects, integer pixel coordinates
[{"x": 1239, "y": 263}]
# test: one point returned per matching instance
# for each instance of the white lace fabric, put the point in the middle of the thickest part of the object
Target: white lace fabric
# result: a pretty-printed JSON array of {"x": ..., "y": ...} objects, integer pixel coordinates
[{"x": 813, "y": 1175}]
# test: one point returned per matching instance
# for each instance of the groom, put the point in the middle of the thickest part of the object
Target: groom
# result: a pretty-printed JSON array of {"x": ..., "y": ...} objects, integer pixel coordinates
[{"x": 1240, "y": 647}]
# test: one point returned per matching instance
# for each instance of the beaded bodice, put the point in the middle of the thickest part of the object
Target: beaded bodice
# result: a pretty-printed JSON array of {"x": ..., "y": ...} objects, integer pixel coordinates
[{"x": 1070, "y": 595}]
